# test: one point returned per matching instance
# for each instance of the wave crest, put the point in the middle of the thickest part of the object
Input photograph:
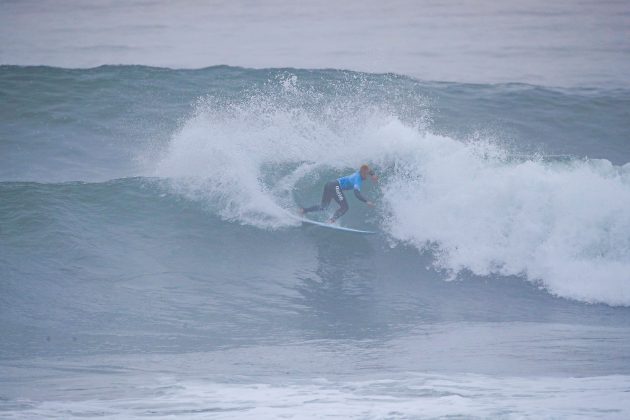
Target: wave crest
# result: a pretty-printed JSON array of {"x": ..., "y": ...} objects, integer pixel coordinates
[{"x": 563, "y": 224}]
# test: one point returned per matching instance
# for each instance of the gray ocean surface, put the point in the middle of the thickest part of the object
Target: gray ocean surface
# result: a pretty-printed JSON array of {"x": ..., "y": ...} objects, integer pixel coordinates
[
  {"x": 148, "y": 267},
  {"x": 567, "y": 43}
]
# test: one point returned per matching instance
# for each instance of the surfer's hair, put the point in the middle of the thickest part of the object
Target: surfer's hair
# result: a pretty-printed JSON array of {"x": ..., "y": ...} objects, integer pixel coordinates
[{"x": 366, "y": 168}]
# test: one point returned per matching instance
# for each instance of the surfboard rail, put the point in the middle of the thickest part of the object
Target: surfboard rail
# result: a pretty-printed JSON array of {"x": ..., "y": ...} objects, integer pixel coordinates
[{"x": 331, "y": 226}]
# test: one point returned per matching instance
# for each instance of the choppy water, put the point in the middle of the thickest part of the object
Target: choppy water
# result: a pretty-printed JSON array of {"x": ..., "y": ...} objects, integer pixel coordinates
[{"x": 148, "y": 268}]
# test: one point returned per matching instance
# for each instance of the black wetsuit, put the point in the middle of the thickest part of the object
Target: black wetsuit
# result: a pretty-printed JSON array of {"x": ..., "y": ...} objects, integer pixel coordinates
[{"x": 332, "y": 191}]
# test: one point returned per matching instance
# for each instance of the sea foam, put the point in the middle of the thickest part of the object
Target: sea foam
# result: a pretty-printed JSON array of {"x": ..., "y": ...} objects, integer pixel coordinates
[{"x": 563, "y": 224}]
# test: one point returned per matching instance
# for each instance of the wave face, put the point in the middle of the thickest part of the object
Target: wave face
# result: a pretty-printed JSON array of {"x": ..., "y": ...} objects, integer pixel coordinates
[
  {"x": 475, "y": 203},
  {"x": 507, "y": 180}
]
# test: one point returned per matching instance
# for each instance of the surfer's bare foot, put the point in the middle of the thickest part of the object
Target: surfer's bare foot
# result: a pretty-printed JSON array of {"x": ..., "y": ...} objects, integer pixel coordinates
[
  {"x": 331, "y": 221},
  {"x": 301, "y": 211}
]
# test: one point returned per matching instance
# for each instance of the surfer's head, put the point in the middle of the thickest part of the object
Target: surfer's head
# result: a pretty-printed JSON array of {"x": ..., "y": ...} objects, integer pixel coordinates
[{"x": 365, "y": 170}]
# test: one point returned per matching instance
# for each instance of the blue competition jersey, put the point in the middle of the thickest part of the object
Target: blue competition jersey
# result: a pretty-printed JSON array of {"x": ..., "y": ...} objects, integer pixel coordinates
[{"x": 351, "y": 182}]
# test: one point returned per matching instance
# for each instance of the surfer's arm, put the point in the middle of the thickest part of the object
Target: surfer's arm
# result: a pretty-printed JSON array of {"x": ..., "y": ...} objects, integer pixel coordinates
[{"x": 358, "y": 195}]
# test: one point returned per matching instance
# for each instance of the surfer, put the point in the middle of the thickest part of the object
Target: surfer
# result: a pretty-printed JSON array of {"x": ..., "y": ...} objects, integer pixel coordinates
[{"x": 333, "y": 190}]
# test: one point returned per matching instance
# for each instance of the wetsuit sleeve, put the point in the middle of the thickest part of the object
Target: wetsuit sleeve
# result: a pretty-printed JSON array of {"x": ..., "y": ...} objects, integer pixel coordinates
[{"x": 358, "y": 195}]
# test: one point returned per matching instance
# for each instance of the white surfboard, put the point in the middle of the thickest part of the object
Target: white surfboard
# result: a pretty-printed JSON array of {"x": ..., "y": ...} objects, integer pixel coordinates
[{"x": 332, "y": 226}]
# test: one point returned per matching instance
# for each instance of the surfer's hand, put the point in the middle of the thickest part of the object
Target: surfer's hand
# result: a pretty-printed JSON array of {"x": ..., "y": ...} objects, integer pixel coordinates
[{"x": 370, "y": 204}]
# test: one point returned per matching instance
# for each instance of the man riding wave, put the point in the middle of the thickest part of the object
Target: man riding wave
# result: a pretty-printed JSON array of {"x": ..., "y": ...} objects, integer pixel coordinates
[{"x": 333, "y": 190}]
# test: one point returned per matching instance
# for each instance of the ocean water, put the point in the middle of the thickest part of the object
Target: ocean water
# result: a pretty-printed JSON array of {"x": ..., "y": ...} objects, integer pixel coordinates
[
  {"x": 148, "y": 268},
  {"x": 567, "y": 43}
]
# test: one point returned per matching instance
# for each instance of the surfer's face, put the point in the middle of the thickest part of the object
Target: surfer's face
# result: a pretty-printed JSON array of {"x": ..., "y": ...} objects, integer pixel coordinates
[{"x": 364, "y": 172}]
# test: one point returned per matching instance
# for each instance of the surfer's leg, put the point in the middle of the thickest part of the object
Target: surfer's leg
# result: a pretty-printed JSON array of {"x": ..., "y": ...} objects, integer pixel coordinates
[
  {"x": 327, "y": 196},
  {"x": 340, "y": 198}
]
